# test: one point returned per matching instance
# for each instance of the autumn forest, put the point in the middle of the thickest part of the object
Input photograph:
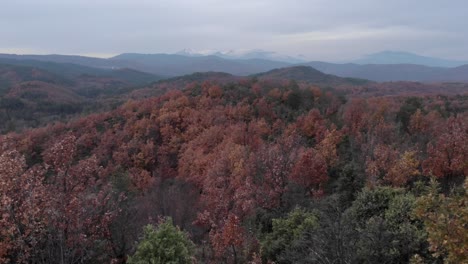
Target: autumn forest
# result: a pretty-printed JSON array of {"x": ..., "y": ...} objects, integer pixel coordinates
[{"x": 214, "y": 168}]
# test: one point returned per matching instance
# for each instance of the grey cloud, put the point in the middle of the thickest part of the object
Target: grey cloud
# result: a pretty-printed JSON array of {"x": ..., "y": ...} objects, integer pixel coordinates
[{"x": 319, "y": 29}]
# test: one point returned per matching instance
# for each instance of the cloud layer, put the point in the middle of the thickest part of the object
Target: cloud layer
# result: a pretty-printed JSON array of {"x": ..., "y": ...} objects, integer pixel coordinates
[{"x": 319, "y": 29}]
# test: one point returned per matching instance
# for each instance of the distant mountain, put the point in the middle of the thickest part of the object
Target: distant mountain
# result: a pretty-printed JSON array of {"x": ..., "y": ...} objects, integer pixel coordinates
[
  {"x": 307, "y": 74},
  {"x": 175, "y": 65},
  {"x": 80, "y": 60},
  {"x": 259, "y": 54},
  {"x": 70, "y": 70},
  {"x": 244, "y": 55},
  {"x": 399, "y": 57},
  {"x": 394, "y": 72},
  {"x": 169, "y": 65},
  {"x": 190, "y": 53},
  {"x": 138, "y": 69}
]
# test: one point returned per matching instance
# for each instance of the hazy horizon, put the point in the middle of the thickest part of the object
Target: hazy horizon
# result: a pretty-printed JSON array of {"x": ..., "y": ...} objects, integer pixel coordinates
[
  {"x": 314, "y": 30},
  {"x": 212, "y": 52}
]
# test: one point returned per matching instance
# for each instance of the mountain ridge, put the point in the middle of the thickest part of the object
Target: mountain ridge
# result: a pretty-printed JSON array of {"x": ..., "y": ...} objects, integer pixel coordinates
[
  {"x": 308, "y": 74},
  {"x": 393, "y": 72},
  {"x": 172, "y": 65},
  {"x": 403, "y": 57}
]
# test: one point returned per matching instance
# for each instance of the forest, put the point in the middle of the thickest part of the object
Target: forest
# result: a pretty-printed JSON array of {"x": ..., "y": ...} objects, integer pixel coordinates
[{"x": 237, "y": 170}]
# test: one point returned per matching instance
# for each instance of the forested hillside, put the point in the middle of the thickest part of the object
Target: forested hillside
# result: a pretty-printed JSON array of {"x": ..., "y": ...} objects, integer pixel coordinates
[
  {"x": 249, "y": 171},
  {"x": 35, "y": 93}
]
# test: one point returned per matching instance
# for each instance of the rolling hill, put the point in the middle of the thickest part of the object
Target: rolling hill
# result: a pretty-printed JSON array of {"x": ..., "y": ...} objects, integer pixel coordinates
[
  {"x": 31, "y": 96},
  {"x": 307, "y": 74}
]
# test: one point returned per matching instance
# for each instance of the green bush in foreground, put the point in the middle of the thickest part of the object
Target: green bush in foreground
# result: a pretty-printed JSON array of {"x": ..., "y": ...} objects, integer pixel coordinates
[{"x": 164, "y": 244}]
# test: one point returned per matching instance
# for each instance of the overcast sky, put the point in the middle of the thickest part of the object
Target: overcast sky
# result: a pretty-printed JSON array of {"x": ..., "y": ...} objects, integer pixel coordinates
[{"x": 318, "y": 29}]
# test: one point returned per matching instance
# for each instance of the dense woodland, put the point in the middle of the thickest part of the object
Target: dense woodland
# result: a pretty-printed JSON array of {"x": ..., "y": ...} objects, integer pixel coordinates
[{"x": 241, "y": 170}]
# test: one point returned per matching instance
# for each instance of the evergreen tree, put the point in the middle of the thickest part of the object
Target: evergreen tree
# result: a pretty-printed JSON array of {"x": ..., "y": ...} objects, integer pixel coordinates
[{"x": 164, "y": 244}]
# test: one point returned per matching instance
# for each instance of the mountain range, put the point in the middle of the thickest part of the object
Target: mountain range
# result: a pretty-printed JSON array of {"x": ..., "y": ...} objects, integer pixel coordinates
[
  {"x": 394, "y": 72},
  {"x": 384, "y": 66},
  {"x": 245, "y": 55},
  {"x": 401, "y": 57}
]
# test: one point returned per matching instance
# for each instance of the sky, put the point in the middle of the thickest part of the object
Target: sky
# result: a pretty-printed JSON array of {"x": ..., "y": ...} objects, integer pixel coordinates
[{"x": 333, "y": 30}]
